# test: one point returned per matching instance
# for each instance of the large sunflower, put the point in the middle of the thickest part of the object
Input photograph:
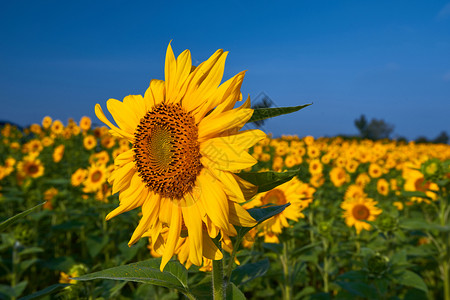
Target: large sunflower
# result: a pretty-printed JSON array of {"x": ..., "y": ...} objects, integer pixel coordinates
[{"x": 186, "y": 146}]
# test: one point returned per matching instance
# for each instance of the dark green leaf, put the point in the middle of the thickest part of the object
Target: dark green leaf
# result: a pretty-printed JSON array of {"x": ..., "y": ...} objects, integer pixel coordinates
[
  {"x": 267, "y": 180},
  {"x": 47, "y": 291},
  {"x": 245, "y": 273},
  {"x": 262, "y": 214},
  {"x": 147, "y": 271},
  {"x": 11, "y": 220},
  {"x": 353, "y": 275},
  {"x": 277, "y": 248},
  {"x": 234, "y": 293},
  {"x": 421, "y": 224},
  {"x": 358, "y": 288},
  {"x": 411, "y": 279},
  {"x": 266, "y": 113},
  {"x": 95, "y": 244}
]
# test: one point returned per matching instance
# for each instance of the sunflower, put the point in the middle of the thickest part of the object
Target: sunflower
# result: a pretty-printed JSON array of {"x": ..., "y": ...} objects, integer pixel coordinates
[
  {"x": 338, "y": 176},
  {"x": 383, "y": 187},
  {"x": 57, "y": 127},
  {"x": 186, "y": 148},
  {"x": 78, "y": 177},
  {"x": 58, "y": 153},
  {"x": 295, "y": 192},
  {"x": 96, "y": 177},
  {"x": 46, "y": 122},
  {"x": 358, "y": 210},
  {"x": 375, "y": 170},
  {"x": 315, "y": 167},
  {"x": 89, "y": 142},
  {"x": 415, "y": 181},
  {"x": 31, "y": 167},
  {"x": 85, "y": 123}
]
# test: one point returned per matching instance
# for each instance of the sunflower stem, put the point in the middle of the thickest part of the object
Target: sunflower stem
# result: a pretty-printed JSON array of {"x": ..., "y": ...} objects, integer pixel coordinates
[{"x": 217, "y": 280}]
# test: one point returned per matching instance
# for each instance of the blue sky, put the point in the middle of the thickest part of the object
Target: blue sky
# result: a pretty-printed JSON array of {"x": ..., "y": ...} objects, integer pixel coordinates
[{"x": 386, "y": 59}]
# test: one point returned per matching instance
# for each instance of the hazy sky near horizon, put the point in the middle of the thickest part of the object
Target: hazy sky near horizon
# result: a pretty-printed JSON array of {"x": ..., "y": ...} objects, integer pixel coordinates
[{"x": 386, "y": 59}]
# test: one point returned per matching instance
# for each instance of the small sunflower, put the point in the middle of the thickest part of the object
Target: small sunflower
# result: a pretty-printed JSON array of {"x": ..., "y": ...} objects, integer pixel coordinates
[
  {"x": 415, "y": 181},
  {"x": 358, "y": 210},
  {"x": 89, "y": 142},
  {"x": 58, "y": 153},
  {"x": 186, "y": 148},
  {"x": 85, "y": 123},
  {"x": 78, "y": 177},
  {"x": 96, "y": 177},
  {"x": 31, "y": 167},
  {"x": 295, "y": 192},
  {"x": 46, "y": 122},
  {"x": 338, "y": 176},
  {"x": 383, "y": 187}
]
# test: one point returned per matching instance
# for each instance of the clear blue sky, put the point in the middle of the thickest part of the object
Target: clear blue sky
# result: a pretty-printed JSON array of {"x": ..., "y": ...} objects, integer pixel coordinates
[{"x": 386, "y": 59}]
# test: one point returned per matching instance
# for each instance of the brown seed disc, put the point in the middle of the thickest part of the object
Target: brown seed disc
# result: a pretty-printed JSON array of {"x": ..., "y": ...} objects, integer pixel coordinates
[{"x": 167, "y": 152}]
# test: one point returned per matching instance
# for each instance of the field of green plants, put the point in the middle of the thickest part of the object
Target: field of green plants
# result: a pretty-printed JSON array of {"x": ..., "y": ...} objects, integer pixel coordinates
[{"x": 340, "y": 219}]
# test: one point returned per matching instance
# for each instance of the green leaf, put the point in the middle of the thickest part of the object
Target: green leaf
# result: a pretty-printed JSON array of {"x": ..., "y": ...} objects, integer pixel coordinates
[
  {"x": 31, "y": 250},
  {"x": 411, "y": 279},
  {"x": 421, "y": 224},
  {"x": 13, "y": 219},
  {"x": 264, "y": 213},
  {"x": 358, "y": 288},
  {"x": 277, "y": 248},
  {"x": 147, "y": 271},
  {"x": 95, "y": 244},
  {"x": 266, "y": 113},
  {"x": 47, "y": 291},
  {"x": 260, "y": 215},
  {"x": 234, "y": 293},
  {"x": 246, "y": 273},
  {"x": 267, "y": 180},
  {"x": 13, "y": 292}
]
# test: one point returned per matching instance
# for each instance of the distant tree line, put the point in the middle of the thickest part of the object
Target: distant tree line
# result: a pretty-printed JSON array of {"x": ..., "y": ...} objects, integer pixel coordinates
[{"x": 379, "y": 129}]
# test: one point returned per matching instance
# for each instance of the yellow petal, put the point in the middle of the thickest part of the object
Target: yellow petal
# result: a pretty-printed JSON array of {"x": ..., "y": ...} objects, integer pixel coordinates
[
  {"x": 122, "y": 176},
  {"x": 149, "y": 213},
  {"x": 124, "y": 116},
  {"x": 124, "y": 158},
  {"x": 207, "y": 86},
  {"x": 193, "y": 221},
  {"x": 172, "y": 238},
  {"x": 154, "y": 94},
  {"x": 239, "y": 216},
  {"x": 136, "y": 104},
  {"x": 117, "y": 131},
  {"x": 219, "y": 155},
  {"x": 223, "y": 122},
  {"x": 210, "y": 250},
  {"x": 130, "y": 198},
  {"x": 214, "y": 199}
]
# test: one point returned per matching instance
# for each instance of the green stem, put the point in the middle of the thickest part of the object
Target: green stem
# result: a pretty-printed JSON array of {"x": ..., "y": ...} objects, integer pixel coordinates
[
  {"x": 217, "y": 280},
  {"x": 15, "y": 262},
  {"x": 287, "y": 280},
  {"x": 446, "y": 278}
]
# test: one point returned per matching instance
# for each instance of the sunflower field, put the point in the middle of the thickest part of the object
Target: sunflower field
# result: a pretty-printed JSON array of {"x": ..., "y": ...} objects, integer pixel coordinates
[{"x": 360, "y": 219}]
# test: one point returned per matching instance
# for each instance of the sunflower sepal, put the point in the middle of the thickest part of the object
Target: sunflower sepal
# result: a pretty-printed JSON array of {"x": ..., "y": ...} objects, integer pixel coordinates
[
  {"x": 266, "y": 181},
  {"x": 260, "y": 114}
]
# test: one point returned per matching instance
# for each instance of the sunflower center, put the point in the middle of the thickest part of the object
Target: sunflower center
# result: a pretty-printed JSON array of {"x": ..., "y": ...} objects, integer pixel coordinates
[
  {"x": 360, "y": 212},
  {"x": 33, "y": 169},
  {"x": 167, "y": 151},
  {"x": 96, "y": 176},
  {"x": 275, "y": 196}
]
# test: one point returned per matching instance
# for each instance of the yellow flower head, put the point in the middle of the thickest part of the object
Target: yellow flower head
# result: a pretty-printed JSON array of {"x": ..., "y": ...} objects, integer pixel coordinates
[
  {"x": 85, "y": 123},
  {"x": 78, "y": 177},
  {"x": 358, "y": 210},
  {"x": 338, "y": 176},
  {"x": 46, "y": 122},
  {"x": 89, "y": 142},
  {"x": 31, "y": 167},
  {"x": 58, "y": 153},
  {"x": 186, "y": 146},
  {"x": 57, "y": 127},
  {"x": 298, "y": 194}
]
